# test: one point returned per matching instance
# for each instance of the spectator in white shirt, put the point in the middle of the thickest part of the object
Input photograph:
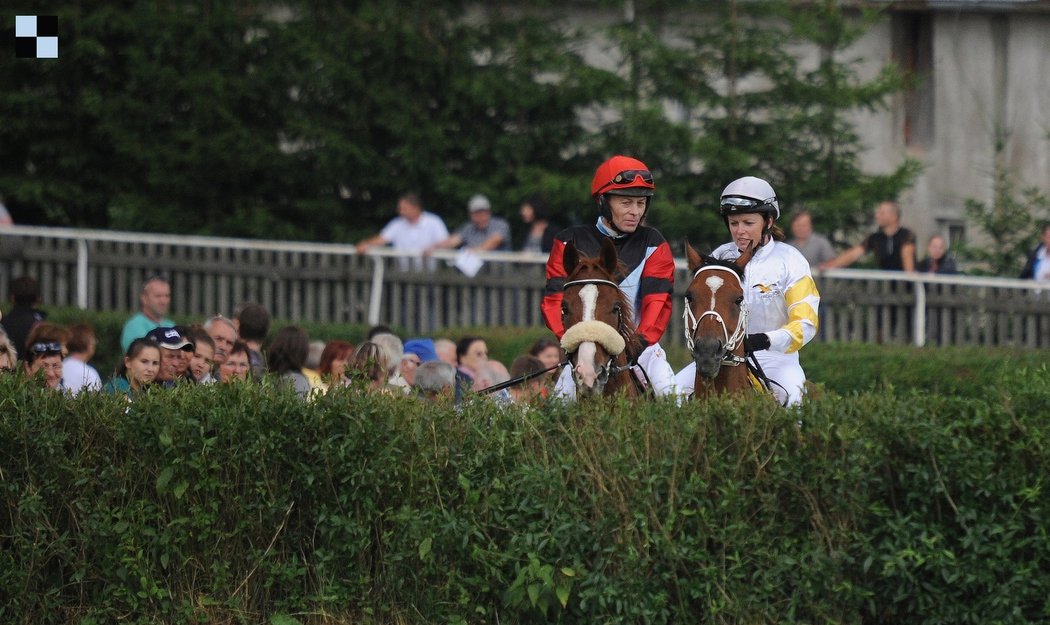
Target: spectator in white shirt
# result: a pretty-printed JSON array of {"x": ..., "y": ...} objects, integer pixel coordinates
[
  {"x": 77, "y": 374},
  {"x": 412, "y": 231}
]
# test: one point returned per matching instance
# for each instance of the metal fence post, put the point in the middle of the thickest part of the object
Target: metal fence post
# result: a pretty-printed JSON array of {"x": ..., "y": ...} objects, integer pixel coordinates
[
  {"x": 82, "y": 274},
  {"x": 919, "y": 318},
  {"x": 375, "y": 300}
]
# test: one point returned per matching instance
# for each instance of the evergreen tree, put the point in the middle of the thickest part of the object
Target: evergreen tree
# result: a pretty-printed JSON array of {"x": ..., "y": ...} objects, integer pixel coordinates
[
  {"x": 742, "y": 102},
  {"x": 396, "y": 96},
  {"x": 1011, "y": 222},
  {"x": 299, "y": 119}
]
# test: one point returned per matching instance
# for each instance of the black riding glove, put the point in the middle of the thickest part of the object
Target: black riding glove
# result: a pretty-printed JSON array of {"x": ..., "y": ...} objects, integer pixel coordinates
[
  {"x": 756, "y": 342},
  {"x": 642, "y": 344}
]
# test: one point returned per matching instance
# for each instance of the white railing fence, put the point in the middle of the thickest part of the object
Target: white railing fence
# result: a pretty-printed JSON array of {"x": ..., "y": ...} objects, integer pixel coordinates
[{"x": 102, "y": 270}]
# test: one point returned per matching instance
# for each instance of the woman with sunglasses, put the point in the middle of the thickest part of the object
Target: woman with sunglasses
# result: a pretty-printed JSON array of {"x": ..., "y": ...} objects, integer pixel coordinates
[
  {"x": 44, "y": 358},
  {"x": 623, "y": 190},
  {"x": 137, "y": 370},
  {"x": 779, "y": 292}
]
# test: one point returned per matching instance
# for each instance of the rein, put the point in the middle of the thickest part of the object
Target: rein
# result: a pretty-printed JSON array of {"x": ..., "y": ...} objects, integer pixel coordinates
[
  {"x": 520, "y": 379},
  {"x": 691, "y": 322}
]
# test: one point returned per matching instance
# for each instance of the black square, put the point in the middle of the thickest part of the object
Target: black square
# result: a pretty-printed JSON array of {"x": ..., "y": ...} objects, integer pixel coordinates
[
  {"x": 47, "y": 26},
  {"x": 25, "y": 47}
]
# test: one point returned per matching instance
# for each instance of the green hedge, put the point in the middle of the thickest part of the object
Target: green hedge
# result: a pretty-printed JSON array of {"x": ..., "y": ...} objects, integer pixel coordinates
[{"x": 245, "y": 505}]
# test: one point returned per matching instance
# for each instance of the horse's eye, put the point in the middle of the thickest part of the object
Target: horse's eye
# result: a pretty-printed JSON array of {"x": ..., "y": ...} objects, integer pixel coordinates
[
  {"x": 739, "y": 300},
  {"x": 564, "y": 310}
]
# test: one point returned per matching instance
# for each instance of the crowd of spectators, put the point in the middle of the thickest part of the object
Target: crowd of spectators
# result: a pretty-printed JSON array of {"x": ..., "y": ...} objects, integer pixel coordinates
[
  {"x": 156, "y": 352},
  {"x": 159, "y": 354}
]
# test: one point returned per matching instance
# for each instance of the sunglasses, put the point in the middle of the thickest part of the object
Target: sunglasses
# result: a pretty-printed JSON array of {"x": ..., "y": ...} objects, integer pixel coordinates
[
  {"x": 629, "y": 176},
  {"x": 49, "y": 347}
]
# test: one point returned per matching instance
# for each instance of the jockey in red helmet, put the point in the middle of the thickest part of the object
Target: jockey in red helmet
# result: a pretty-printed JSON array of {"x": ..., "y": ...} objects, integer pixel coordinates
[{"x": 623, "y": 188}]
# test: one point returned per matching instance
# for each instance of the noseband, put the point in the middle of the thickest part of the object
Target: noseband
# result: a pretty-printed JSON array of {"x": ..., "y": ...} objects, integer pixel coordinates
[
  {"x": 691, "y": 322},
  {"x": 620, "y": 329}
]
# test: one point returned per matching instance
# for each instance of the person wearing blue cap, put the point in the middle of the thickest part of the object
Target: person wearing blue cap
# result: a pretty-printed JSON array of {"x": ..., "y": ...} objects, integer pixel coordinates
[{"x": 416, "y": 352}]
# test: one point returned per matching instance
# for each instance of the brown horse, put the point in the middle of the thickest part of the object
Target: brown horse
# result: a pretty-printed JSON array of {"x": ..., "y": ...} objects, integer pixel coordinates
[
  {"x": 716, "y": 322},
  {"x": 599, "y": 326}
]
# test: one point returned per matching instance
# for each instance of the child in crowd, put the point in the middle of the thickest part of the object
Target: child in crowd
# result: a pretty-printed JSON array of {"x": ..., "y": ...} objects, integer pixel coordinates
[{"x": 137, "y": 370}]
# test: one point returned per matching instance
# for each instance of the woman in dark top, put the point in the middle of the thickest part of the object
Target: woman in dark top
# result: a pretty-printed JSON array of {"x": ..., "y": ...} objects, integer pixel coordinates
[
  {"x": 937, "y": 260},
  {"x": 539, "y": 231}
]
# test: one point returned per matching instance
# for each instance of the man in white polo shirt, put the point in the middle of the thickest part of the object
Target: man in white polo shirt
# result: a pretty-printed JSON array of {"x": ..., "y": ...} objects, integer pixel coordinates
[{"x": 413, "y": 230}]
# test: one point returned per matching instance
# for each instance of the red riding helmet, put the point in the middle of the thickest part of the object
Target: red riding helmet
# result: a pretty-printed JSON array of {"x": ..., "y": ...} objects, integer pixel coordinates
[{"x": 622, "y": 175}]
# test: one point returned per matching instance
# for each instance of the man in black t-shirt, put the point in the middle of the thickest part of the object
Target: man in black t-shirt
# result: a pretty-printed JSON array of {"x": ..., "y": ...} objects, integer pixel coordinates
[{"x": 892, "y": 244}]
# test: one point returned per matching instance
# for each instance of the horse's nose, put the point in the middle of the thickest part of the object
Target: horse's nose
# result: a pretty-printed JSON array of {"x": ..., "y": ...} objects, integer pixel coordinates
[
  {"x": 586, "y": 375},
  {"x": 707, "y": 354}
]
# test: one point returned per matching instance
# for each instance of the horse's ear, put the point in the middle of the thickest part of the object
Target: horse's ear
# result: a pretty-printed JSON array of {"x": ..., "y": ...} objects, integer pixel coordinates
[
  {"x": 748, "y": 254},
  {"x": 570, "y": 258},
  {"x": 694, "y": 258},
  {"x": 608, "y": 255}
]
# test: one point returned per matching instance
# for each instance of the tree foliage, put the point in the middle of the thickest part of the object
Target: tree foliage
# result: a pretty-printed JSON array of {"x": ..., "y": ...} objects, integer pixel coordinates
[
  {"x": 1011, "y": 221},
  {"x": 744, "y": 101},
  {"x": 302, "y": 119}
]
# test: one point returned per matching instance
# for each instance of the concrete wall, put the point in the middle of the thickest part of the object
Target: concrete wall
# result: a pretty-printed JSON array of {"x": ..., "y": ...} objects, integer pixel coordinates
[{"x": 990, "y": 79}]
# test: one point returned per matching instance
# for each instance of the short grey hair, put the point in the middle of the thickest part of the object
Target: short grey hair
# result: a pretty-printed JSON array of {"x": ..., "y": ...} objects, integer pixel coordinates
[{"x": 434, "y": 376}]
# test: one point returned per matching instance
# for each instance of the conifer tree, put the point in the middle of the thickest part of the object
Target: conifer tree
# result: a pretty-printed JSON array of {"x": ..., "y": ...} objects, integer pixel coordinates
[{"x": 718, "y": 91}]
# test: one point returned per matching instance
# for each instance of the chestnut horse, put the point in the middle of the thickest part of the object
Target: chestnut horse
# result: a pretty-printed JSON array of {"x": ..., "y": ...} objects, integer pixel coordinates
[
  {"x": 599, "y": 326},
  {"x": 716, "y": 323}
]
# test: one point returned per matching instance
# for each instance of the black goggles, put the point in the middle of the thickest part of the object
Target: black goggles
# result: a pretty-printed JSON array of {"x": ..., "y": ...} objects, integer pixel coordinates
[
  {"x": 629, "y": 176},
  {"x": 49, "y": 347}
]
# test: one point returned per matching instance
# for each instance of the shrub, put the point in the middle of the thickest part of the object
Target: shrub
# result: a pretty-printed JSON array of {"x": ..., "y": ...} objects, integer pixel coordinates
[{"x": 244, "y": 504}]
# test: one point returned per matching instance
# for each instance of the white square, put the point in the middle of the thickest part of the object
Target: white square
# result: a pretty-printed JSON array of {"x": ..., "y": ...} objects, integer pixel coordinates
[
  {"x": 25, "y": 26},
  {"x": 47, "y": 47}
]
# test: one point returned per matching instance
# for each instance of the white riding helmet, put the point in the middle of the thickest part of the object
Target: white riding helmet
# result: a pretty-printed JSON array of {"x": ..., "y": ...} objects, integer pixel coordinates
[{"x": 749, "y": 195}]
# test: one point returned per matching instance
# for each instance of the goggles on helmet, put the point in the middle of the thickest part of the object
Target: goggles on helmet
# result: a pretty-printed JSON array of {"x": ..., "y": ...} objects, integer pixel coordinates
[
  {"x": 736, "y": 204},
  {"x": 629, "y": 176}
]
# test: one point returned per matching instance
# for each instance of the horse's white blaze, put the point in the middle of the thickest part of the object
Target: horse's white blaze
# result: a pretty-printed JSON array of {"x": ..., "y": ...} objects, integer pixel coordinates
[
  {"x": 589, "y": 297},
  {"x": 714, "y": 283}
]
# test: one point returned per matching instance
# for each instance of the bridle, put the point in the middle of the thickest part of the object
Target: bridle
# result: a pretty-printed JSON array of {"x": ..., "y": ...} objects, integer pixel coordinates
[
  {"x": 611, "y": 368},
  {"x": 691, "y": 322}
]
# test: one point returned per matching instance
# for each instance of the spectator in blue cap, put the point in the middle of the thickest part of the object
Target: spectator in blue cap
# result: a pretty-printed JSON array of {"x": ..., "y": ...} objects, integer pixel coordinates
[{"x": 415, "y": 353}]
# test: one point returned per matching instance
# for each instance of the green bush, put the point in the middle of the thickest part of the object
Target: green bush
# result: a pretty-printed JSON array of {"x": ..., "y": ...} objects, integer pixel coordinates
[
  {"x": 245, "y": 505},
  {"x": 962, "y": 371}
]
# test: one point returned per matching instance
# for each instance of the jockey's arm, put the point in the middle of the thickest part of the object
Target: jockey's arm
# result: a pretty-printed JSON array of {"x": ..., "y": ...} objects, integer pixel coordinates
[
  {"x": 552, "y": 297},
  {"x": 802, "y": 300},
  {"x": 656, "y": 289}
]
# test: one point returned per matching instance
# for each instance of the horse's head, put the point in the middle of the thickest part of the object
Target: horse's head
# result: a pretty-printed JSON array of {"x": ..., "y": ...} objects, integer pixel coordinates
[
  {"x": 715, "y": 315},
  {"x": 597, "y": 317}
]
